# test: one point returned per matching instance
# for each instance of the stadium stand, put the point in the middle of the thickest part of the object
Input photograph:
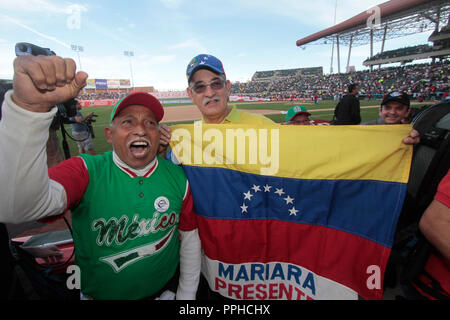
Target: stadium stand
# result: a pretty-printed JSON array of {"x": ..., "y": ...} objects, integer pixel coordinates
[
  {"x": 428, "y": 80},
  {"x": 401, "y": 52}
]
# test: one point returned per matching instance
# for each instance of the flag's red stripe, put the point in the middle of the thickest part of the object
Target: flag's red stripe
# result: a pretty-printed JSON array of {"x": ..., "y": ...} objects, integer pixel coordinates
[{"x": 309, "y": 246}]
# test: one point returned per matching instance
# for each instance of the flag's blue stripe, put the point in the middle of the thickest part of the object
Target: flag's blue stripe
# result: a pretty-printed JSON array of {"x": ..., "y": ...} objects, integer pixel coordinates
[{"x": 366, "y": 208}]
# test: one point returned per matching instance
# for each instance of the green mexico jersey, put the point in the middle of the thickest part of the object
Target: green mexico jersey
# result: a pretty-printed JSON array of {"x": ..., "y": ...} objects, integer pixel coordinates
[{"x": 125, "y": 229}]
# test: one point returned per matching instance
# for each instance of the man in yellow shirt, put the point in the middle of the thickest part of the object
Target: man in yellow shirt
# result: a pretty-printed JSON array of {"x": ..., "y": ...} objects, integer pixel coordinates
[{"x": 209, "y": 90}]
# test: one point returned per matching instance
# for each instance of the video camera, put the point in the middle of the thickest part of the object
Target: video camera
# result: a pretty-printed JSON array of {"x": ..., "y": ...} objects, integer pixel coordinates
[{"x": 89, "y": 122}]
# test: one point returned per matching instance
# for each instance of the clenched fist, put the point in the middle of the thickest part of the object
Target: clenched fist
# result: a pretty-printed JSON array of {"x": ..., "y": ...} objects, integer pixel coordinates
[{"x": 40, "y": 82}]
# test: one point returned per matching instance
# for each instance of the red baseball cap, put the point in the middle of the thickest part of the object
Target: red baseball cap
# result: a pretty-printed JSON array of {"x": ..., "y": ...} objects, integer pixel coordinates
[{"x": 139, "y": 98}]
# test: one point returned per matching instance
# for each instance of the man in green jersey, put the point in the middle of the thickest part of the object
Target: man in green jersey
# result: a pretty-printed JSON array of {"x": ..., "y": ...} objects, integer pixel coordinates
[{"x": 127, "y": 205}]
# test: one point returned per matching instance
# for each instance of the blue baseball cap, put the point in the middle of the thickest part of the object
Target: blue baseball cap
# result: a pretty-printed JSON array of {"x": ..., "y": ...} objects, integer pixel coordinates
[{"x": 204, "y": 61}]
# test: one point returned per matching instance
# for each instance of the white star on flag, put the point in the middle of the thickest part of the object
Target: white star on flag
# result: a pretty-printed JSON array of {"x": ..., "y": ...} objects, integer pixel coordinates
[
  {"x": 248, "y": 195},
  {"x": 280, "y": 191},
  {"x": 288, "y": 200},
  {"x": 256, "y": 188}
]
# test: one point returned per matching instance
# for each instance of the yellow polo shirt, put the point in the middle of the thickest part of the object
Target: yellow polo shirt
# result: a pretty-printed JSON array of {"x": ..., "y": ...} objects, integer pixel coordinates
[
  {"x": 244, "y": 117},
  {"x": 235, "y": 116}
]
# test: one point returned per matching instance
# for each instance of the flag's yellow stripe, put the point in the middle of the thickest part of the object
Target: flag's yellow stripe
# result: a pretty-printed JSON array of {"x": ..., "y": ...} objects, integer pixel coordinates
[{"x": 304, "y": 152}]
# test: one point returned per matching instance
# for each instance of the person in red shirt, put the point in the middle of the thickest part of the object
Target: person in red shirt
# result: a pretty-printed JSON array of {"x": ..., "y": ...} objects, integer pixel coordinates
[{"x": 434, "y": 281}]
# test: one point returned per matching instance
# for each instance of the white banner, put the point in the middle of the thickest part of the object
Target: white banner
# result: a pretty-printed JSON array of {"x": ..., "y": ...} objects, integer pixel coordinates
[{"x": 271, "y": 281}]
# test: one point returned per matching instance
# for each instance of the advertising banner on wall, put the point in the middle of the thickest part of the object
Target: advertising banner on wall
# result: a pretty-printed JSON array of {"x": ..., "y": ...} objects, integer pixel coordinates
[
  {"x": 113, "y": 84},
  {"x": 101, "y": 84},
  {"x": 125, "y": 83},
  {"x": 170, "y": 94},
  {"x": 90, "y": 84}
]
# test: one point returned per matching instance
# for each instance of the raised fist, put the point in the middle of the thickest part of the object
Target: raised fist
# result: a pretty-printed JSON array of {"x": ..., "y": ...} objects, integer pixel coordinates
[{"x": 40, "y": 82}]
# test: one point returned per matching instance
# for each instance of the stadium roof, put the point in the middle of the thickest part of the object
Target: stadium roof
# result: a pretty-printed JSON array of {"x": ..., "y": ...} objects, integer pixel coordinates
[{"x": 399, "y": 18}]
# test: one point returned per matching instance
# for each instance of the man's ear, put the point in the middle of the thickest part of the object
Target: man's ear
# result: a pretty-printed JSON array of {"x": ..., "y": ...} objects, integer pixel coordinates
[
  {"x": 189, "y": 92},
  {"x": 228, "y": 84},
  {"x": 108, "y": 134},
  {"x": 380, "y": 110}
]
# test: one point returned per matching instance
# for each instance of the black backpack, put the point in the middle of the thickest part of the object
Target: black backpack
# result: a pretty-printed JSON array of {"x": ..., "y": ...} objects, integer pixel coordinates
[{"x": 430, "y": 163}]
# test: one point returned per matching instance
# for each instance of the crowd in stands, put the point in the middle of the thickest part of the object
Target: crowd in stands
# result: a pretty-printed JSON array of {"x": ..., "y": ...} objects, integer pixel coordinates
[
  {"x": 427, "y": 81},
  {"x": 407, "y": 51},
  {"x": 421, "y": 81},
  {"x": 102, "y": 95},
  {"x": 267, "y": 75},
  {"x": 264, "y": 74}
]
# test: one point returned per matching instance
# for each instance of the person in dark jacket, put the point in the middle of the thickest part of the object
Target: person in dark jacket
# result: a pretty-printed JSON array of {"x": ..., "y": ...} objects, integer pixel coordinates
[{"x": 347, "y": 110}]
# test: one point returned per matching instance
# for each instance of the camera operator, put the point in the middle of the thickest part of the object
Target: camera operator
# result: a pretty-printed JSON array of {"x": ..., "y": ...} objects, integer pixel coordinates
[{"x": 81, "y": 132}]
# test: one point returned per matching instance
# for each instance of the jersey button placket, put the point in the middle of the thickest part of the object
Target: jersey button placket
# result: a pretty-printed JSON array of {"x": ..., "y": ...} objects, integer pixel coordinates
[{"x": 141, "y": 194}]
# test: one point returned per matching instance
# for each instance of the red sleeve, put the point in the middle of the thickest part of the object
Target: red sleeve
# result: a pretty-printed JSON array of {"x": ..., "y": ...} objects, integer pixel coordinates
[
  {"x": 188, "y": 217},
  {"x": 443, "y": 193},
  {"x": 72, "y": 174}
]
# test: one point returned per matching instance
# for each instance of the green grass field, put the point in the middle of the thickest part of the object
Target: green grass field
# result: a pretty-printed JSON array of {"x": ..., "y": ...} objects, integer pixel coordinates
[{"x": 104, "y": 113}]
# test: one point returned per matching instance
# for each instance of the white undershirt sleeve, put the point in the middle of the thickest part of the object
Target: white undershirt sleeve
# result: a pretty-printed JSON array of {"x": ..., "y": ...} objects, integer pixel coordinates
[
  {"x": 26, "y": 191},
  {"x": 190, "y": 265}
]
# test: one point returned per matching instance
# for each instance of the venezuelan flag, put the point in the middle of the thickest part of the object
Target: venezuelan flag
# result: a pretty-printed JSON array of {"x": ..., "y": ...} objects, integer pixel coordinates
[{"x": 295, "y": 212}]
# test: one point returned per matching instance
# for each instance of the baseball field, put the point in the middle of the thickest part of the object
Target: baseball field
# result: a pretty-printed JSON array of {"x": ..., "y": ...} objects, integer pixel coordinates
[{"x": 187, "y": 113}]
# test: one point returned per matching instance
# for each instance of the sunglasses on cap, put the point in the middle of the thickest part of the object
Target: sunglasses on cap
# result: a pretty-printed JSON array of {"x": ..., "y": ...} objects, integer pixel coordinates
[{"x": 215, "y": 85}]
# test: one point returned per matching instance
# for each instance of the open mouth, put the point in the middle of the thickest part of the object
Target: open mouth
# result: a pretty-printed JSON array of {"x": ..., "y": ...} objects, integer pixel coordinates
[{"x": 139, "y": 148}]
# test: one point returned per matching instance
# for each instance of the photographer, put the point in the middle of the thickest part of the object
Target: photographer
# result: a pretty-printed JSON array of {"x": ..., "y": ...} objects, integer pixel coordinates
[{"x": 80, "y": 131}]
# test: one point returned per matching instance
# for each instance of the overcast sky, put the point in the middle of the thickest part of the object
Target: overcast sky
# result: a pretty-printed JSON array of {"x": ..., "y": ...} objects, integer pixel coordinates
[{"x": 247, "y": 35}]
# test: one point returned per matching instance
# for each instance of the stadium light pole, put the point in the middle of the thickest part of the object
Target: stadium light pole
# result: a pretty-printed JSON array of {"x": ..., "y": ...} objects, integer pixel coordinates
[
  {"x": 130, "y": 54},
  {"x": 78, "y": 49},
  {"x": 332, "y": 48},
  {"x": 338, "y": 54},
  {"x": 349, "y": 52}
]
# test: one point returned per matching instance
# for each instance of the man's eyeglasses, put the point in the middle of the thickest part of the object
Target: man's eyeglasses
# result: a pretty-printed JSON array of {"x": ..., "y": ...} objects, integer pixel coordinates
[{"x": 215, "y": 85}]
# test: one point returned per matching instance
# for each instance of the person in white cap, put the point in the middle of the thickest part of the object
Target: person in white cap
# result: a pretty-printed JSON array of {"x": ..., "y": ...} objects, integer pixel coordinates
[{"x": 127, "y": 205}]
